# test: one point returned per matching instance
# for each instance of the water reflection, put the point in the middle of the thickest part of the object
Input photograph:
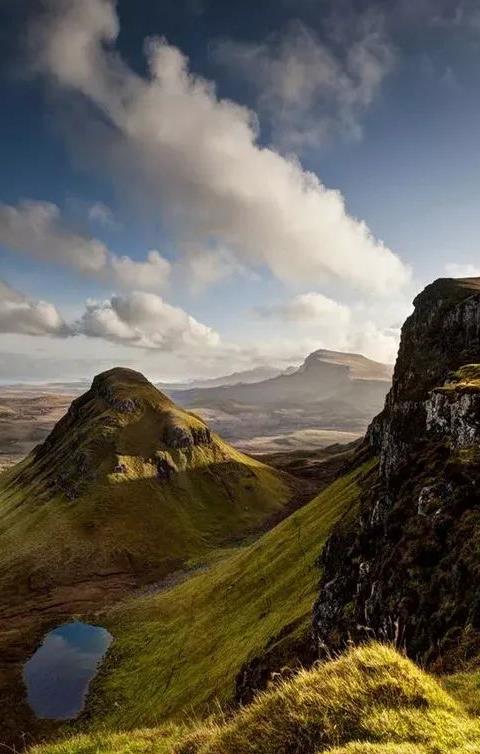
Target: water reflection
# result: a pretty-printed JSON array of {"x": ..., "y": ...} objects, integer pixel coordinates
[{"x": 58, "y": 675}]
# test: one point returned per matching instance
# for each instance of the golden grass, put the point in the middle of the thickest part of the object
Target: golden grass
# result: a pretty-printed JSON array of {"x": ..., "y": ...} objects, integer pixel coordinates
[{"x": 371, "y": 700}]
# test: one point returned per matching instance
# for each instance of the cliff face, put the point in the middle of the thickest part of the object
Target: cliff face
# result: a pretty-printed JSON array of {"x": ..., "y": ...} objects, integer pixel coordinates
[{"x": 407, "y": 569}]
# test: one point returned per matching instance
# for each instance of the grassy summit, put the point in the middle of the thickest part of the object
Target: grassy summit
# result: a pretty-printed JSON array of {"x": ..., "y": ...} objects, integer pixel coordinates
[{"x": 127, "y": 482}]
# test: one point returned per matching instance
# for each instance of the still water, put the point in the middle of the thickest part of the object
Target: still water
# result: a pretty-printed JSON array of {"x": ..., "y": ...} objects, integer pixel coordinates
[{"x": 58, "y": 675}]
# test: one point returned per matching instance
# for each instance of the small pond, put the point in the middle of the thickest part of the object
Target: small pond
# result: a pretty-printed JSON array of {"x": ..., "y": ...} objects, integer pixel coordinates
[{"x": 58, "y": 675}]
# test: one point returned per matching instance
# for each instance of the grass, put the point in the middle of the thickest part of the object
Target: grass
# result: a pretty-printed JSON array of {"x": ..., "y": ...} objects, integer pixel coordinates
[
  {"x": 92, "y": 499},
  {"x": 371, "y": 700},
  {"x": 467, "y": 377},
  {"x": 179, "y": 652}
]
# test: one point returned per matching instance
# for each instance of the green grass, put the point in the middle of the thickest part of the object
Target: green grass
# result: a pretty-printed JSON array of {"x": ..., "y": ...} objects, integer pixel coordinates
[
  {"x": 180, "y": 651},
  {"x": 466, "y": 377},
  {"x": 371, "y": 700},
  {"x": 465, "y": 687},
  {"x": 111, "y": 510}
]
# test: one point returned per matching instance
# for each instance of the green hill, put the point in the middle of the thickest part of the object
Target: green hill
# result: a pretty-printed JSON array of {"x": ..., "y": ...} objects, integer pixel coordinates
[
  {"x": 128, "y": 484},
  {"x": 181, "y": 651},
  {"x": 371, "y": 700}
]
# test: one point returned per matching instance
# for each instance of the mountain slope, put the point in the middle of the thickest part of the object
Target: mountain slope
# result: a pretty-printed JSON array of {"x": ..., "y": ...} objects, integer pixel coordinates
[
  {"x": 180, "y": 650},
  {"x": 127, "y": 483},
  {"x": 333, "y": 391},
  {"x": 408, "y": 569}
]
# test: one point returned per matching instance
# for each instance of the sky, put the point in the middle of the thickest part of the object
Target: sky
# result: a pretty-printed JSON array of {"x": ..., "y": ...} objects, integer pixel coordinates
[{"x": 196, "y": 187}]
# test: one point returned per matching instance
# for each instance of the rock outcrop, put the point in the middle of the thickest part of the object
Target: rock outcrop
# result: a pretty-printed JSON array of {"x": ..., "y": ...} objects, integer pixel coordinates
[{"x": 407, "y": 570}]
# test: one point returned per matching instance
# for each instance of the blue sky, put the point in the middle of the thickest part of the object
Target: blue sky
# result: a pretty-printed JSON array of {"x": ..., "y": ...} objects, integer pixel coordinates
[{"x": 204, "y": 157}]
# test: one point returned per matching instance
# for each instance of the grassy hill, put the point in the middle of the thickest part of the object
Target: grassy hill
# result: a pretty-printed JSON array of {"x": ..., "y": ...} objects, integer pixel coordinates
[
  {"x": 127, "y": 482},
  {"x": 371, "y": 700},
  {"x": 180, "y": 651}
]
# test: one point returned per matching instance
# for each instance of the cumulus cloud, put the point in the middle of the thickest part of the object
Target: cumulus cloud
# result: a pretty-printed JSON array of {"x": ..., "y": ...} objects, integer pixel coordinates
[
  {"x": 309, "y": 90},
  {"x": 308, "y": 307},
  {"x": 153, "y": 273},
  {"x": 139, "y": 319},
  {"x": 455, "y": 270},
  {"x": 196, "y": 158},
  {"x": 145, "y": 320},
  {"x": 335, "y": 325},
  {"x": 37, "y": 228},
  {"x": 19, "y": 314}
]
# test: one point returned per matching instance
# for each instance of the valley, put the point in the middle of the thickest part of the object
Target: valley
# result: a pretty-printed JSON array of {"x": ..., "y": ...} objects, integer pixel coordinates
[
  {"x": 258, "y": 411},
  {"x": 223, "y": 578}
]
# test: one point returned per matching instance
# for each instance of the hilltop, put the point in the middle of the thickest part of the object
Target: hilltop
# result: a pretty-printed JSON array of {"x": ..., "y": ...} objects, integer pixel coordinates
[{"x": 128, "y": 482}]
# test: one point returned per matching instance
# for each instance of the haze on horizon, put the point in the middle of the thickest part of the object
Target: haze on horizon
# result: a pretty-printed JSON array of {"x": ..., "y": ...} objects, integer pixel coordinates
[{"x": 193, "y": 189}]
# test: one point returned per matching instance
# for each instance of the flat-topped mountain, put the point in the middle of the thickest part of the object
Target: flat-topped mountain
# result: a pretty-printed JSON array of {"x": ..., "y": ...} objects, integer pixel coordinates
[
  {"x": 359, "y": 366},
  {"x": 128, "y": 482},
  {"x": 405, "y": 568},
  {"x": 331, "y": 392}
]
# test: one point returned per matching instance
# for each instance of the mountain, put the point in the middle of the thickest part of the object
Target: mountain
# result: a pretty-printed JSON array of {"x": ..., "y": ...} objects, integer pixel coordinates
[
  {"x": 127, "y": 485},
  {"x": 359, "y": 366},
  {"x": 394, "y": 539},
  {"x": 405, "y": 568},
  {"x": 332, "y": 394},
  {"x": 249, "y": 375}
]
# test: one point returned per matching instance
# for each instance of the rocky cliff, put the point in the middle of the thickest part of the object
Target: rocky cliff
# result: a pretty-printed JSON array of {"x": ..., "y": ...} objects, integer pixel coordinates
[{"x": 406, "y": 567}]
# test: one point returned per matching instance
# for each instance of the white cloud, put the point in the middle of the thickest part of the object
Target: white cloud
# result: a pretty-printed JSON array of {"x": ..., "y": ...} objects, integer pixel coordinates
[
  {"x": 196, "y": 158},
  {"x": 313, "y": 308},
  {"x": 100, "y": 213},
  {"x": 311, "y": 91},
  {"x": 455, "y": 270},
  {"x": 153, "y": 273},
  {"x": 145, "y": 320},
  {"x": 24, "y": 316},
  {"x": 37, "y": 229},
  {"x": 335, "y": 326}
]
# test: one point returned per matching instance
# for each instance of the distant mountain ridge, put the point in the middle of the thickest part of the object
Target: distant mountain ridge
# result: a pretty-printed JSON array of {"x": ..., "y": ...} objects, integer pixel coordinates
[
  {"x": 331, "y": 391},
  {"x": 249, "y": 375}
]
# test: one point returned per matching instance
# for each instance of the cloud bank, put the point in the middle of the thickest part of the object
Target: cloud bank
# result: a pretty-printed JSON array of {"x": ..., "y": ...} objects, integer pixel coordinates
[
  {"x": 19, "y": 314},
  {"x": 37, "y": 229},
  {"x": 139, "y": 319},
  {"x": 145, "y": 320},
  {"x": 196, "y": 158}
]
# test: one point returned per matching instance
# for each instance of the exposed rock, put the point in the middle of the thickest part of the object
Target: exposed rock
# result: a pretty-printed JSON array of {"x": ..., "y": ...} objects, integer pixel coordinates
[
  {"x": 184, "y": 437},
  {"x": 456, "y": 415},
  {"x": 165, "y": 468},
  {"x": 407, "y": 570}
]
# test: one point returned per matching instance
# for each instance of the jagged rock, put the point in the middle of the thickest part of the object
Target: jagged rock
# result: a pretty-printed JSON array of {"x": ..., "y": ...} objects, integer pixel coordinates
[
  {"x": 182, "y": 437},
  {"x": 456, "y": 415},
  {"x": 407, "y": 569},
  {"x": 432, "y": 497},
  {"x": 165, "y": 469}
]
